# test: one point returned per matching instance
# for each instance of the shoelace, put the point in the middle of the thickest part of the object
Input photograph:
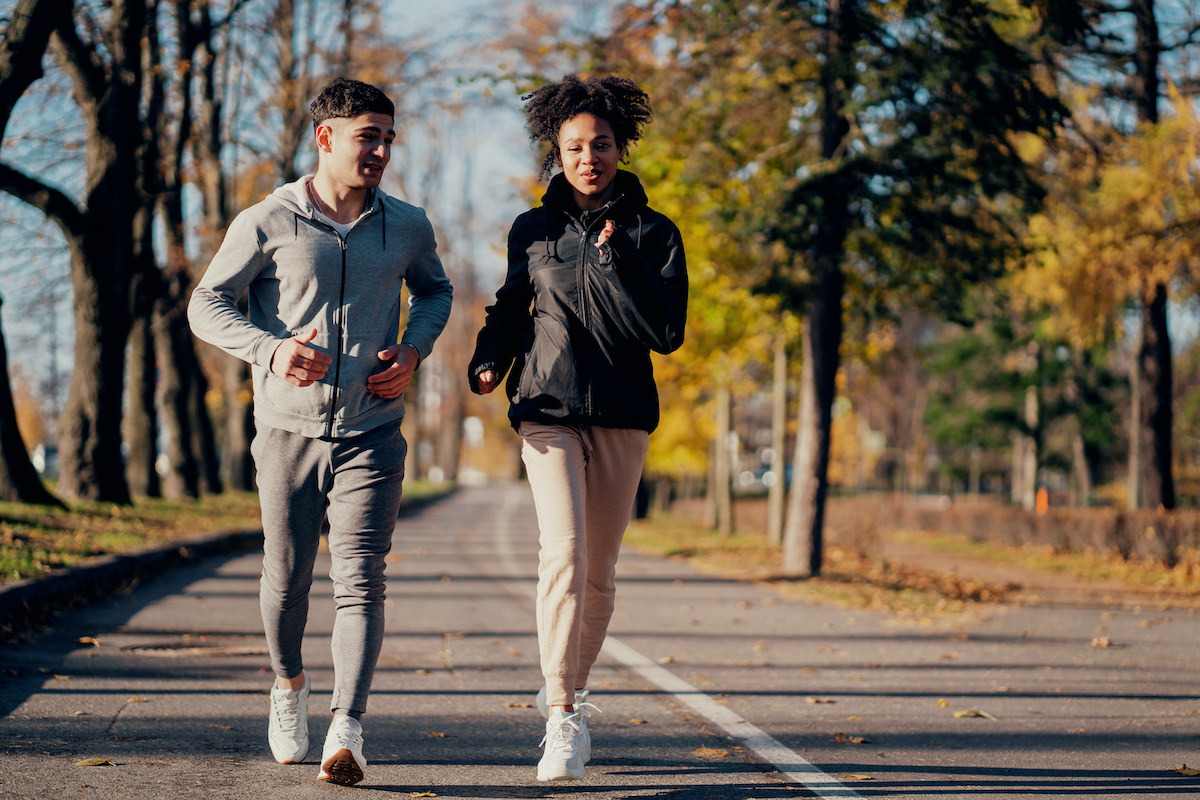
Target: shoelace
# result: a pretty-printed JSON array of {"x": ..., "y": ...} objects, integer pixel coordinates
[
  {"x": 351, "y": 740},
  {"x": 286, "y": 711},
  {"x": 561, "y": 738}
]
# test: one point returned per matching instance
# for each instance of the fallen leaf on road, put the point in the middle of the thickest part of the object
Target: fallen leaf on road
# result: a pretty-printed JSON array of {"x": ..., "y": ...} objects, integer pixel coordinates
[
  {"x": 853, "y": 718},
  {"x": 89, "y": 640},
  {"x": 78, "y": 713},
  {"x": 943, "y": 703},
  {"x": 420, "y": 672},
  {"x": 637, "y": 722},
  {"x": 1003, "y": 689},
  {"x": 438, "y": 734},
  {"x": 809, "y": 671},
  {"x": 422, "y": 794},
  {"x": 1101, "y": 641},
  {"x": 855, "y": 776},
  {"x": 95, "y": 762},
  {"x": 710, "y": 752},
  {"x": 62, "y": 677},
  {"x": 948, "y": 656},
  {"x": 665, "y": 660},
  {"x": 973, "y": 712},
  {"x": 841, "y": 737},
  {"x": 138, "y": 700},
  {"x": 518, "y": 705},
  {"x": 819, "y": 700},
  {"x": 221, "y": 727},
  {"x": 1191, "y": 773}
]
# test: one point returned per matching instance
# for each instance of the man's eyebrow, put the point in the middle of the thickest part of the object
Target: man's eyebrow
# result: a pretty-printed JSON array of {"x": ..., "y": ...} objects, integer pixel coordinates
[{"x": 377, "y": 129}]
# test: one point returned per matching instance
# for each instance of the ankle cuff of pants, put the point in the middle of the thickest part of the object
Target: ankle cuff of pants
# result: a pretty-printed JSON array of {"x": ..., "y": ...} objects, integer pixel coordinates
[{"x": 560, "y": 691}]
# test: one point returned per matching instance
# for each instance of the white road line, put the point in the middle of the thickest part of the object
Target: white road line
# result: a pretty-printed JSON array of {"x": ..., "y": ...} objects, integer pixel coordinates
[{"x": 766, "y": 748}]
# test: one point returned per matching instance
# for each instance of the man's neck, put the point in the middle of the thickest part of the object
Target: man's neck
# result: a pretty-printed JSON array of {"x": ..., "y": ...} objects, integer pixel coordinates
[{"x": 339, "y": 203}]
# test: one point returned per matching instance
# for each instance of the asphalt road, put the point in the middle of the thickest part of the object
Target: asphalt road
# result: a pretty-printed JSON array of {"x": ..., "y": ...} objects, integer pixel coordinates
[{"x": 709, "y": 688}]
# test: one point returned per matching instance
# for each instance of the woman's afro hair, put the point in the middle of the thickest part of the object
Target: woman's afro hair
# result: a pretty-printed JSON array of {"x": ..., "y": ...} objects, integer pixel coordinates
[{"x": 618, "y": 101}]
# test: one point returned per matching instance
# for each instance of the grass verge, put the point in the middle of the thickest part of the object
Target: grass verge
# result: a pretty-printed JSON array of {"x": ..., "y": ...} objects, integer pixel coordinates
[
  {"x": 848, "y": 579},
  {"x": 852, "y": 580},
  {"x": 37, "y": 539}
]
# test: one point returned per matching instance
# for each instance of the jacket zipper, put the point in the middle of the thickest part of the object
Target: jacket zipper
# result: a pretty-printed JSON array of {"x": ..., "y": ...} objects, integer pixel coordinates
[{"x": 585, "y": 310}]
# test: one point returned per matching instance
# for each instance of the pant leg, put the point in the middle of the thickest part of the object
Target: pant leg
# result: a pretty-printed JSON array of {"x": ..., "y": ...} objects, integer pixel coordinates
[
  {"x": 613, "y": 473},
  {"x": 364, "y": 503},
  {"x": 292, "y": 471},
  {"x": 554, "y": 459}
]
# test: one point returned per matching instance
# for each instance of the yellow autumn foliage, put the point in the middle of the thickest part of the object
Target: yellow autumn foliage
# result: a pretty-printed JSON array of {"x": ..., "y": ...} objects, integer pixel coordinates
[{"x": 1120, "y": 219}]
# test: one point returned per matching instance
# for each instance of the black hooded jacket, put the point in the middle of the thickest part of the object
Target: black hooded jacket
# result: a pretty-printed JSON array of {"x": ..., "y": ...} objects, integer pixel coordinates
[{"x": 576, "y": 323}]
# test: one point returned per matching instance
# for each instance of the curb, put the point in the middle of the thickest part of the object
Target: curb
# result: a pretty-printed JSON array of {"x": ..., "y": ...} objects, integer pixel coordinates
[{"x": 33, "y": 601}]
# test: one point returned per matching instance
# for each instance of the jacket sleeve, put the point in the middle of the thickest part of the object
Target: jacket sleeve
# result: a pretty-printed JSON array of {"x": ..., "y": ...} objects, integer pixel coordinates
[
  {"x": 504, "y": 333},
  {"x": 429, "y": 298},
  {"x": 651, "y": 297},
  {"x": 212, "y": 309}
]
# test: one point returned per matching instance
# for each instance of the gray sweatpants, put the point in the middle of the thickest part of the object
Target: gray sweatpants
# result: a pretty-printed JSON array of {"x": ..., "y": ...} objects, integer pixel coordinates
[{"x": 357, "y": 483}]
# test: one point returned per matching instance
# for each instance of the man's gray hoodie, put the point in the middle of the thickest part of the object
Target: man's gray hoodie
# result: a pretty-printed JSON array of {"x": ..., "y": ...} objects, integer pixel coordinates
[{"x": 301, "y": 274}]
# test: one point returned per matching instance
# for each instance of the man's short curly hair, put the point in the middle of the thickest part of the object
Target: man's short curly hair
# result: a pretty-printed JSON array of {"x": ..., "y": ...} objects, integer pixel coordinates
[
  {"x": 345, "y": 98},
  {"x": 617, "y": 101}
]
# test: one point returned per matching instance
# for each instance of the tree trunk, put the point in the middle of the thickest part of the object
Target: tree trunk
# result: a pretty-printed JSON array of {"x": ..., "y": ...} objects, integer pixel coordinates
[
  {"x": 777, "y": 494},
  {"x": 19, "y": 481},
  {"x": 803, "y": 544},
  {"x": 141, "y": 418},
  {"x": 1154, "y": 420},
  {"x": 803, "y": 537},
  {"x": 721, "y": 477},
  {"x": 1017, "y": 489},
  {"x": 183, "y": 473},
  {"x": 1030, "y": 464},
  {"x": 1083, "y": 478},
  {"x": 239, "y": 425}
]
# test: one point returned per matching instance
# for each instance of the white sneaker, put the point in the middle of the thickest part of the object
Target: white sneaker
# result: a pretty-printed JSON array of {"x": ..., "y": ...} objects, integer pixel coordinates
[
  {"x": 287, "y": 728},
  {"x": 562, "y": 760},
  {"x": 342, "y": 758},
  {"x": 584, "y": 709}
]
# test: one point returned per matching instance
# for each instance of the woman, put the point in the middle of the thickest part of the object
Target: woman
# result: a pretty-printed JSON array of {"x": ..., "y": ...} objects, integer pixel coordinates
[{"x": 596, "y": 280}]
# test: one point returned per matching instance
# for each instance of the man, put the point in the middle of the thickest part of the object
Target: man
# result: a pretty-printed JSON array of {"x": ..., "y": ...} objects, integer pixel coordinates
[{"x": 324, "y": 260}]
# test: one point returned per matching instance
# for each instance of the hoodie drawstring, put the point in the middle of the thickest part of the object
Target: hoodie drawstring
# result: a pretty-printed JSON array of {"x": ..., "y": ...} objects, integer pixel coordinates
[{"x": 639, "y": 239}]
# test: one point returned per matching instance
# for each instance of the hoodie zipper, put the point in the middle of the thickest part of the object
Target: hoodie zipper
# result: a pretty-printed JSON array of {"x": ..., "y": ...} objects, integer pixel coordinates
[{"x": 338, "y": 323}]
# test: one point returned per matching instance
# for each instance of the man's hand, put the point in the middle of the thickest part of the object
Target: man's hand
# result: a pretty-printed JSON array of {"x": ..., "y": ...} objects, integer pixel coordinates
[
  {"x": 487, "y": 381},
  {"x": 297, "y": 364},
  {"x": 390, "y": 383}
]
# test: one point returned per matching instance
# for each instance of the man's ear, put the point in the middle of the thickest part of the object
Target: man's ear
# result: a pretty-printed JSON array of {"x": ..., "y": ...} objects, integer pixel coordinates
[{"x": 324, "y": 136}]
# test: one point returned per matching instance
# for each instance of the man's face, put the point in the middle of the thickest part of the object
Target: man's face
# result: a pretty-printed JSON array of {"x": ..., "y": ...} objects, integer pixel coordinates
[{"x": 355, "y": 151}]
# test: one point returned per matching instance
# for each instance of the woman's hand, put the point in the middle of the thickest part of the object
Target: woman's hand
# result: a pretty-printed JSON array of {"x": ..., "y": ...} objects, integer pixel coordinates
[
  {"x": 487, "y": 381},
  {"x": 609, "y": 227}
]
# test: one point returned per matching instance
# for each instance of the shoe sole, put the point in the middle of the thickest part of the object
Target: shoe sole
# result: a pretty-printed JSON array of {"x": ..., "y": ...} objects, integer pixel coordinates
[
  {"x": 568, "y": 775},
  {"x": 301, "y": 754},
  {"x": 342, "y": 769}
]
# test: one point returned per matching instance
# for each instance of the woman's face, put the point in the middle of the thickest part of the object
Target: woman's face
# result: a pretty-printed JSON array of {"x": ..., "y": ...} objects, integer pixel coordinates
[{"x": 587, "y": 149}]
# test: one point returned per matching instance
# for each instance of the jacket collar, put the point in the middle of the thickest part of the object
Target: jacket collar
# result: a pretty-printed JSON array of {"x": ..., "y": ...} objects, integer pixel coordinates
[{"x": 630, "y": 197}]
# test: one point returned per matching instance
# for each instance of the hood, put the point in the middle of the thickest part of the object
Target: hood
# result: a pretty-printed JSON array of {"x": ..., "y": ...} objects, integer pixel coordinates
[
  {"x": 294, "y": 197},
  {"x": 630, "y": 197}
]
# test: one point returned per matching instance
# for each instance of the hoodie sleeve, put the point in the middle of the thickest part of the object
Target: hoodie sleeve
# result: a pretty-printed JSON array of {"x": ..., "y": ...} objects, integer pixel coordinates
[
  {"x": 650, "y": 285},
  {"x": 212, "y": 310},
  {"x": 429, "y": 297},
  {"x": 504, "y": 332}
]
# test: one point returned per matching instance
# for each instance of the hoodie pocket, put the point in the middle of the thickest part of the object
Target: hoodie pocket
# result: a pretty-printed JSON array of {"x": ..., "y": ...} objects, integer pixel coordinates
[{"x": 307, "y": 401}]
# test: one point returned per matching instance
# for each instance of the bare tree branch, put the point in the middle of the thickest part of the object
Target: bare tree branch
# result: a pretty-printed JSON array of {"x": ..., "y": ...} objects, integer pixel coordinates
[
  {"x": 50, "y": 201},
  {"x": 22, "y": 50},
  {"x": 80, "y": 61}
]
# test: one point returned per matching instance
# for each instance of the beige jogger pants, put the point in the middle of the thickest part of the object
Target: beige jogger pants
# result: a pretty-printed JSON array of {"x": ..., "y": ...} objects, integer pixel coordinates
[{"x": 584, "y": 480}]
